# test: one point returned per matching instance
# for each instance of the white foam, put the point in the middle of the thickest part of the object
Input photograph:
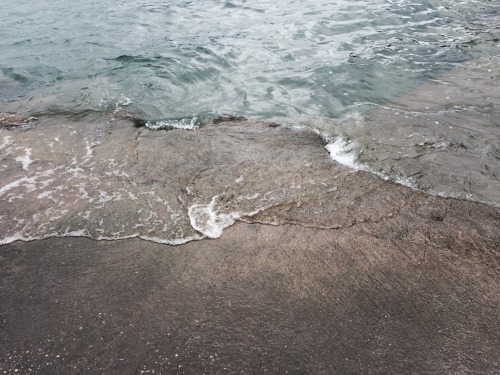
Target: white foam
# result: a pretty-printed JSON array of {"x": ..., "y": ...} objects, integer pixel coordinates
[
  {"x": 187, "y": 124},
  {"x": 89, "y": 148},
  {"x": 106, "y": 197},
  {"x": 25, "y": 160},
  {"x": 122, "y": 102},
  {"x": 45, "y": 194},
  {"x": 177, "y": 241},
  {"x": 463, "y": 196},
  {"x": 205, "y": 219},
  {"x": 85, "y": 215},
  {"x": 28, "y": 181},
  {"x": 76, "y": 233},
  {"x": 248, "y": 197},
  {"x": 343, "y": 152},
  {"x": 14, "y": 238},
  {"x": 85, "y": 234},
  {"x": 7, "y": 140}
]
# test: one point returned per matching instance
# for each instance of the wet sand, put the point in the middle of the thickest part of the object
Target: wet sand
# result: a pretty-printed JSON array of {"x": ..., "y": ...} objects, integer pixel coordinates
[
  {"x": 261, "y": 299},
  {"x": 365, "y": 276},
  {"x": 316, "y": 269}
]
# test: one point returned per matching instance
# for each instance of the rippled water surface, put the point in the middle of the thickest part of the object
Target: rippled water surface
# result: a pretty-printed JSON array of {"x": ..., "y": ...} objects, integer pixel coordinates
[
  {"x": 183, "y": 59},
  {"x": 404, "y": 89}
]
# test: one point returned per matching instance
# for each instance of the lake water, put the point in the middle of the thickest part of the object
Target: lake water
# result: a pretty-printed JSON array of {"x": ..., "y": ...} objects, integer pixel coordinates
[
  {"x": 403, "y": 89},
  {"x": 173, "y": 60}
]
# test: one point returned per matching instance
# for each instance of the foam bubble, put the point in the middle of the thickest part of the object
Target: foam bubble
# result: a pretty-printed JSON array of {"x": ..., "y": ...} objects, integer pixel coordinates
[
  {"x": 25, "y": 160},
  {"x": 206, "y": 220},
  {"x": 187, "y": 124},
  {"x": 27, "y": 182},
  {"x": 6, "y": 142},
  {"x": 177, "y": 241},
  {"x": 343, "y": 152}
]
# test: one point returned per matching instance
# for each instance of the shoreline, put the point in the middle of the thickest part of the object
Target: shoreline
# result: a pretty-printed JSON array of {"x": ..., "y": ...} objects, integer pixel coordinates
[
  {"x": 327, "y": 278},
  {"x": 260, "y": 298},
  {"x": 307, "y": 266}
]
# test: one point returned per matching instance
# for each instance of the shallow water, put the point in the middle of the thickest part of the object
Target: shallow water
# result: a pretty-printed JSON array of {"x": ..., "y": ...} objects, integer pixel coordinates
[{"x": 403, "y": 90}]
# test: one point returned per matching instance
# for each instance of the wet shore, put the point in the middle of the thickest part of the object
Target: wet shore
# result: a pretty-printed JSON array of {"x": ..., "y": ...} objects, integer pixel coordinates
[
  {"x": 241, "y": 247},
  {"x": 414, "y": 293},
  {"x": 360, "y": 275}
]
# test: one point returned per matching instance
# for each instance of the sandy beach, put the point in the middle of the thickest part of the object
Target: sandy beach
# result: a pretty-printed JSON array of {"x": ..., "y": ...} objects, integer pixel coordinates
[{"x": 260, "y": 299}]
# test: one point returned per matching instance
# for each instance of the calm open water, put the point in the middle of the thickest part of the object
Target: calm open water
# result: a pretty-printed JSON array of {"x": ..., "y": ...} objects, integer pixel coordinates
[{"x": 182, "y": 59}]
